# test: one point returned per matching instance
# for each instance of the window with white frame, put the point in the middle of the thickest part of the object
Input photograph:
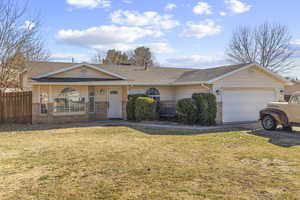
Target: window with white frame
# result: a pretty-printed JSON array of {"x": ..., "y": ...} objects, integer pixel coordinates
[
  {"x": 153, "y": 93},
  {"x": 44, "y": 102},
  {"x": 69, "y": 100}
]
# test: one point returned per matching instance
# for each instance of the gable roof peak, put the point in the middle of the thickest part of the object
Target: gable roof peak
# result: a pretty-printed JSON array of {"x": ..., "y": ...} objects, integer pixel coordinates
[{"x": 77, "y": 65}]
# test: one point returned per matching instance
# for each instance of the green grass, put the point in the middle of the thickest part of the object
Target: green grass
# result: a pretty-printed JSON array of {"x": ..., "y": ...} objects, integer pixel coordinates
[{"x": 129, "y": 163}]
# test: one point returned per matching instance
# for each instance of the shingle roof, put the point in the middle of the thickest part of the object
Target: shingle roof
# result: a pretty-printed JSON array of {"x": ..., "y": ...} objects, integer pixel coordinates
[{"x": 137, "y": 74}]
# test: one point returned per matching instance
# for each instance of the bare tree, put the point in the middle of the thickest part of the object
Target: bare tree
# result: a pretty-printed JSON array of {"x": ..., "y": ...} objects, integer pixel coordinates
[
  {"x": 19, "y": 42},
  {"x": 97, "y": 58},
  {"x": 267, "y": 44},
  {"x": 142, "y": 56}
]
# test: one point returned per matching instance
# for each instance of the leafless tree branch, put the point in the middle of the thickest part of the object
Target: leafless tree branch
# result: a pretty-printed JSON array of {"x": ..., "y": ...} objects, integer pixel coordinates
[
  {"x": 267, "y": 44},
  {"x": 19, "y": 42}
]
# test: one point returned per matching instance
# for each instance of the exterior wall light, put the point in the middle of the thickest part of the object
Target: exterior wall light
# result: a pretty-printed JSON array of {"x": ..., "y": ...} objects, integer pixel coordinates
[
  {"x": 101, "y": 91},
  {"x": 218, "y": 92}
]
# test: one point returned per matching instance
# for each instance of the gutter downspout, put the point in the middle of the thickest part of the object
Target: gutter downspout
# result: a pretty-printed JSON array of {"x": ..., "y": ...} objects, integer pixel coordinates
[{"x": 202, "y": 84}]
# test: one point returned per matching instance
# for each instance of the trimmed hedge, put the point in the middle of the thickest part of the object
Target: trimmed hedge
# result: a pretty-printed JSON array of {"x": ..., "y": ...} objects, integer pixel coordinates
[
  {"x": 145, "y": 109},
  {"x": 212, "y": 109},
  {"x": 130, "y": 107},
  {"x": 206, "y": 108},
  {"x": 187, "y": 110},
  {"x": 202, "y": 117}
]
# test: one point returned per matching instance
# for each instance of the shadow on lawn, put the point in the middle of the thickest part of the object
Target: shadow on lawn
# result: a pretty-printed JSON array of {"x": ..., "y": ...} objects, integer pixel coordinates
[
  {"x": 43, "y": 127},
  {"x": 144, "y": 129},
  {"x": 168, "y": 131},
  {"x": 279, "y": 137}
]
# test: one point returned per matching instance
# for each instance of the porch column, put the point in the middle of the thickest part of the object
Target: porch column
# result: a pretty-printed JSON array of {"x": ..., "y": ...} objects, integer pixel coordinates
[
  {"x": 124, "y": 101},
  {"x": 218, "y": 92}
]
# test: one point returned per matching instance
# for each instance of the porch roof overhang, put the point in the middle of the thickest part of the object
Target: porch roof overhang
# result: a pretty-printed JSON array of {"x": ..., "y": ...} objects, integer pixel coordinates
[
  {"x": 120, "y": 83},
  {"x": 72, "y": 80}
]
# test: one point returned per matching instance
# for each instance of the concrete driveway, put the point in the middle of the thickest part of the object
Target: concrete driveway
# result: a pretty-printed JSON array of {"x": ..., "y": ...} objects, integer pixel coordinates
[{"x": 257, "y": 129}]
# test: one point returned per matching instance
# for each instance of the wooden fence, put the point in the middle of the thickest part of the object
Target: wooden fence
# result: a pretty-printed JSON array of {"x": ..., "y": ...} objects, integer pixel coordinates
[{"x": 16, "y": 107}]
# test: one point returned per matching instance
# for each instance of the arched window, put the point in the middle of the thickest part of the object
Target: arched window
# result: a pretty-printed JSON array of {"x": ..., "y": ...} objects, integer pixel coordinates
[
  {"x": 154, "y": 93},
  {"x": 69, "y": 100}
]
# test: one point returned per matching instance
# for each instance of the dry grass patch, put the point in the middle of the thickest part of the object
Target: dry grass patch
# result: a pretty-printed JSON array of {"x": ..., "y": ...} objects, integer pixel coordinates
[{"x": 128, "y": 163}]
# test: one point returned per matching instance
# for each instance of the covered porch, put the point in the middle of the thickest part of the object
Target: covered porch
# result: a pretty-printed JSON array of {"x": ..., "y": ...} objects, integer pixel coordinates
[{"x": 77, "y": 103}]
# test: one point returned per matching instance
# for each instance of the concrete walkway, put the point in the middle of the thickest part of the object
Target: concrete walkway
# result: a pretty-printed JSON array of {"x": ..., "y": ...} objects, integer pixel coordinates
[
  {"x": 172, "y": 125},
  {"x": 254, "y": 128}
]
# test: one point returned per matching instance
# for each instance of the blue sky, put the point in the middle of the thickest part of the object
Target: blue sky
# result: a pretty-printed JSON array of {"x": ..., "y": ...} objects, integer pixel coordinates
[{"x": 181, "y": 33}]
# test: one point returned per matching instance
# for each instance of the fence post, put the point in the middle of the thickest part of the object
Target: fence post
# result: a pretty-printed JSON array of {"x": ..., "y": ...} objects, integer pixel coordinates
[{"x": 1, "y": 108}]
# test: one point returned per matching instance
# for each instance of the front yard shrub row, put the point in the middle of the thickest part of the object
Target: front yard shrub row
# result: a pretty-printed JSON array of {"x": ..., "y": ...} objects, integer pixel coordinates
[
  {"x": 187, "y": 111},
  {"x": 130, "y": 108},
  {"x": 140, "y": 107},
  {"x": 200, "y": 109},
  {"x": 206, "y": 108},
  {"x": 145, "y": 109}
]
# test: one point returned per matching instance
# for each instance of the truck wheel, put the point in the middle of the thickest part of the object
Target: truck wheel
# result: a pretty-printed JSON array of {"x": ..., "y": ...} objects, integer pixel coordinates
[{"x": 269, "y": 123}]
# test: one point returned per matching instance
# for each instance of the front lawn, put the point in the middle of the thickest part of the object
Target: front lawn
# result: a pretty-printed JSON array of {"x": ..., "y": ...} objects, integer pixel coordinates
[{"x": 128, "y": 163}]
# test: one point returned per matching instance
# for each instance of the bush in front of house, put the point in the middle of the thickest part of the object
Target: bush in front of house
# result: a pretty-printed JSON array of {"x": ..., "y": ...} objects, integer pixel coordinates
[
  {"x": 187, "y": 110},
  {"x": 202, "y": 117},
  {"x": 145, "y": 109},
  {"x": 212, "y": 109},
  {"x": 206, "y": 108},
  {"x": 130, "y": 107}
]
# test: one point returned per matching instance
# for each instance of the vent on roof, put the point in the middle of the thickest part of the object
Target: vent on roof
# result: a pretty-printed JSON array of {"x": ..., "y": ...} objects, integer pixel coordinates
[{"x": 83, "y": 72}]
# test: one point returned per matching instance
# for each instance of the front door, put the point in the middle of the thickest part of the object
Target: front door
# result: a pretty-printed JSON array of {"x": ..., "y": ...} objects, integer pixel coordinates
[{"x": 115, "y": 104}]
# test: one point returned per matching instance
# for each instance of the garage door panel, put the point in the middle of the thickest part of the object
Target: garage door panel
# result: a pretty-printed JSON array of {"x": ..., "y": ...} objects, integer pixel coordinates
[{"x": 244, "y": 105}]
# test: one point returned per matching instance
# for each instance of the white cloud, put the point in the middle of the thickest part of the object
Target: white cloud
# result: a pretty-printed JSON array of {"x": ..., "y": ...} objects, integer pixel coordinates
[
  {"x": 296, "y": 42},
  {"x": 203, "y": 29},
  {"x": 195, "y": 61},
  {"x": 28, "y": 25},
  {"x": 127, "y": 1},
  {"x": 222, "y": 13},
  {"x": 89, "y": 3},
  {"x": 155, "y": 47},
  {"x": 236, "y": 6},
  {"x": 106, "y": 37},
  {"x": 134, "y": 18},
  {"x": 170, "y": 6},
  {"x": 67, "y": 57},
  {"x": 160, "y": 48},
  {"x": 202, "y": 8}
]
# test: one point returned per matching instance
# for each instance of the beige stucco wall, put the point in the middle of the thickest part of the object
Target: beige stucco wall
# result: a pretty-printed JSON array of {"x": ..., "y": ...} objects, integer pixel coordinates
[
  {"x": 251, "y": 78},
  {"x": 167, "y": 93},
  {"x": 90, "y": 73},
  {"x": 187, "y": 91},
  {"x": 25, "y": 83},
  {"x": 171, "y": 93}
]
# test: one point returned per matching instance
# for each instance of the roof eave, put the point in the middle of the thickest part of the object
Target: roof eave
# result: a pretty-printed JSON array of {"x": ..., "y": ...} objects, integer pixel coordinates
[
  {"x": 76, "y": 66},
  {"x": 287, "y": 82}
]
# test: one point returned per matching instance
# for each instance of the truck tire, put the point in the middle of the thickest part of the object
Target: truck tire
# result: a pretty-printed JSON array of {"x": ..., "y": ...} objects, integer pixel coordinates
[{"x": 269, "y": 123}]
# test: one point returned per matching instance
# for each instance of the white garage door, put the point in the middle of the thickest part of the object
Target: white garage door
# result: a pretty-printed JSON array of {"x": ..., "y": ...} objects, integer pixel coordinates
[{"x": 244, "y": 105}]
